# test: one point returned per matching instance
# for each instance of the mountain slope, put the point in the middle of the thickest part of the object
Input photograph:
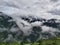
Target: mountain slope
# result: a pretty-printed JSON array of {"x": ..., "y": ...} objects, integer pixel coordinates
[{"x": 31, "y": 28}]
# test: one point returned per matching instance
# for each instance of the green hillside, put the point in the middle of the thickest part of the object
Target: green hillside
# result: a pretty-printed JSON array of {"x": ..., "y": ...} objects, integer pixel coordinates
[{"x": 54, "y": 41}]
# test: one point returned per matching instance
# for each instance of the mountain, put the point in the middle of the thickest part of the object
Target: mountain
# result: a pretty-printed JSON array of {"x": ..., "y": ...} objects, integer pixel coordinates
[{"x": 37, "y": 28}]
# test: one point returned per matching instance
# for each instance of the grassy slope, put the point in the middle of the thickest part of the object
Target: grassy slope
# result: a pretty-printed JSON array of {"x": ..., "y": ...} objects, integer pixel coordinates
[{"x": 54, "y": 41}]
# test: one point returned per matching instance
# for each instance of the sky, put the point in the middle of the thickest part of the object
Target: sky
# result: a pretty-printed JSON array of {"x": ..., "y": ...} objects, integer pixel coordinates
[{"x": 41, "y": 8}]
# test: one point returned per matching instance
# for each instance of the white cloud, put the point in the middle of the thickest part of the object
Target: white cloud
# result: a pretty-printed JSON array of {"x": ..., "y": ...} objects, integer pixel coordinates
[
  {"x": 38, "y": 8},
  {"x": 48, "y": 29}
]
